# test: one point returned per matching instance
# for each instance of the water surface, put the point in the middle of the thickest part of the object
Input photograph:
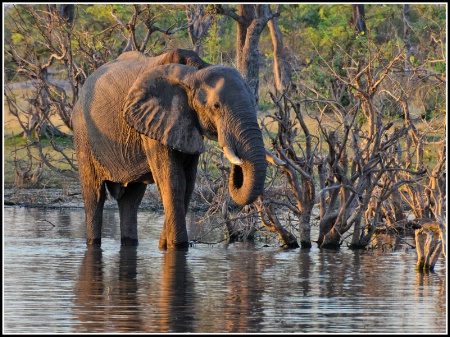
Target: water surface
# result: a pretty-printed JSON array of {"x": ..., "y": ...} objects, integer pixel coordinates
[{"x": 53, "y": 283}]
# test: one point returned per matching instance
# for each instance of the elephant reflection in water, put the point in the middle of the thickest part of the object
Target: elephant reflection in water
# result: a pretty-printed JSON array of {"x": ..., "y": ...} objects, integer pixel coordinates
[
  {"x": 135, "y": 300},
  {"x": 176, "y": 311},
  {"x": 106, "y": 303},
  {"x": 108, "y": 308}
]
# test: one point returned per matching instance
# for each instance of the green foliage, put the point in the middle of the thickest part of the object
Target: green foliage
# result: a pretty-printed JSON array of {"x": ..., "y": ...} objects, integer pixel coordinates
[
  {"x": 428, "y": 115},
  {"x": 219, "y": 43},
  {"x": 384, "y": 22},
  {"x": 213, "y": 44},
  {"x": 20, "y": 141},
  {"x": 14, "y": 141},
  {"x": 22, "y": 38},
  {"x": 439, "y": 67},
  {"x": 307, "y": 30},
  {"x": 264, "y": 105},
  {"x": 102, "y": 12}
]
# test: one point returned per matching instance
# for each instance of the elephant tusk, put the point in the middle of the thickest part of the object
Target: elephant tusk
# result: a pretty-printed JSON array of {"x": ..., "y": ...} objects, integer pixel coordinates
[
  {"x": 231, "y": 156},
  {"x": 274, "y": 160}
]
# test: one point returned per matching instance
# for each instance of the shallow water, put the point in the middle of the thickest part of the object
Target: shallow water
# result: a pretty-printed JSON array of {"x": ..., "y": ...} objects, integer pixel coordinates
[{"x": 53, "y": 283}]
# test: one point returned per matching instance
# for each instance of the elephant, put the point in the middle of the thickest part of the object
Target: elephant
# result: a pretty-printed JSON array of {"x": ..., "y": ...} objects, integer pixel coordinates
[{"x": 141, "y": 120}]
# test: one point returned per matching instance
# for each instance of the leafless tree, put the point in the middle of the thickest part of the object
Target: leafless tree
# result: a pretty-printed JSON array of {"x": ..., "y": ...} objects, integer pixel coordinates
[
  {"x": 363, "y": 159},
  {"x": 201, "y": 19},
  {"x": 55, "y": 43}
]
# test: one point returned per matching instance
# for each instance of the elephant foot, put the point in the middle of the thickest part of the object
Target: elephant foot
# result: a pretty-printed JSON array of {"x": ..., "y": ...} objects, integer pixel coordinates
[
  {"x": 183, "y": 245},
  {"x": 94, "y": 242},
  {"x": 129, "y": 242},
  {"x": 162, "y": 243}
]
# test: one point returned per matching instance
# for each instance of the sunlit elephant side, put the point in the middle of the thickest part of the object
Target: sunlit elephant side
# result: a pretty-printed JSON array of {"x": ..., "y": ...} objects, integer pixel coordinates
[{"x": 140, "y": 120}]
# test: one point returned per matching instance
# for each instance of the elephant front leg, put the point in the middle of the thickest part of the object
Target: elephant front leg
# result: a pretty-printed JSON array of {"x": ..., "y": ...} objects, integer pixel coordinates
[
  {"x": 172, "y": 190},
  {"x": 186, "y": 178},
  {"x": 167, "y": 168},
  {"x": 173, "y": 236}
]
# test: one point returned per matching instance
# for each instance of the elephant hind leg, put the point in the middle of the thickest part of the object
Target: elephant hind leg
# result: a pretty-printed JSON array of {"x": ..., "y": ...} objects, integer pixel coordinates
[
  {"x": 92, "y": 187},
  {"x": 129, "y": 202},
  {"x": 94, "y": 200}
]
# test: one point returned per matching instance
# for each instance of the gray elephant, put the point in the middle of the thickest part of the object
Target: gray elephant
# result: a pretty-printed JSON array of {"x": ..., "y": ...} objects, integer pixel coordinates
[{"x": 141, "y": 120}]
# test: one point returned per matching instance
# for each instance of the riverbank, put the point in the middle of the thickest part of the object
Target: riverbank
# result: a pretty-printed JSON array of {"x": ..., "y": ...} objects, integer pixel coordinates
[{"x": 68, "y": 197}]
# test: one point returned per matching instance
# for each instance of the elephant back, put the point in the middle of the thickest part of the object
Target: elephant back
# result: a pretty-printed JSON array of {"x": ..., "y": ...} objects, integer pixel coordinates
[{"x": 112, "y": 142}]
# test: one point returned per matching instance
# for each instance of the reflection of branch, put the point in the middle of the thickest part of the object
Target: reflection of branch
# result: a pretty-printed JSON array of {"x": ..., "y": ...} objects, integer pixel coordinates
[{"x": 49, "y": 222}]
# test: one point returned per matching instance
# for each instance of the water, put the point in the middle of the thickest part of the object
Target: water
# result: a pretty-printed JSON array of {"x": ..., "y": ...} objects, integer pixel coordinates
[{"x": 53, "y": 283}]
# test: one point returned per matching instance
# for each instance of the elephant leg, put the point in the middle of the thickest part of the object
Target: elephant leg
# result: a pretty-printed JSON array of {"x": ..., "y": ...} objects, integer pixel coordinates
[
  {"x": 169, "y": 172},
  {"x": 94, "y": 192},
  {"x": 128, "y": 207},
  {"x": 94, "y": 200}
]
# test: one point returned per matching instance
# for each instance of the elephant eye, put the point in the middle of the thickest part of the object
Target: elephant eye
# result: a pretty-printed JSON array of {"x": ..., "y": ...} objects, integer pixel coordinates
[{"x": 217, "y": 105}]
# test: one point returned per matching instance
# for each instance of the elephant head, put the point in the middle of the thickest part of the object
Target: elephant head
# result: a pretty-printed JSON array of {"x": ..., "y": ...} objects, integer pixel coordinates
[{"x": 178, "y": 105}]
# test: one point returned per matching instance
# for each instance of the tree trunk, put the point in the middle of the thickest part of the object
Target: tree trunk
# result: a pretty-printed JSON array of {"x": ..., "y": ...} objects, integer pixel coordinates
[
  {"x": 358, "y": 19},
  {"x": 282, "y": 70},
  {"x": 247, "y": 13},
  {"x": 270, "y": 220},
  {"x": 331, "y": 240},
  {"x": 254, "y": 19},
  {"x": 251, "y": 20},
  {"x": 428, "y": 248}
]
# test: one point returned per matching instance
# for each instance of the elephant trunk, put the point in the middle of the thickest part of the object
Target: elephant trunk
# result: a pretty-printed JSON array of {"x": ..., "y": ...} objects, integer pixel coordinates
[{"x": 246, "y": 181}]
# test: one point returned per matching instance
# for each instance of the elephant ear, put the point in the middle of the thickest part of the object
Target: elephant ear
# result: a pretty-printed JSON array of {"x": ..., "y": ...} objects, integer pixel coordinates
[{"x": 157, "y": 106}]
